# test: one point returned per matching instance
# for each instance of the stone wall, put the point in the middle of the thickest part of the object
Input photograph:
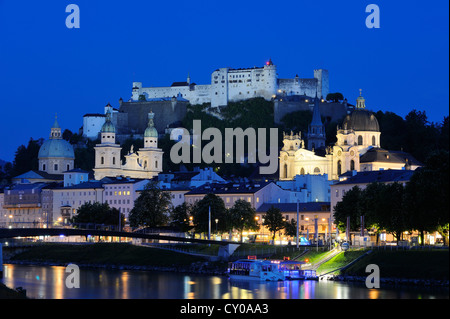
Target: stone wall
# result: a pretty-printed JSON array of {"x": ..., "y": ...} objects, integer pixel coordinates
[{"x": 166, "y": 113}]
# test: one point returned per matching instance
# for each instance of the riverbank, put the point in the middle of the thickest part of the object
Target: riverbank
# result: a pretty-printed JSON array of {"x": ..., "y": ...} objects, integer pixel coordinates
[
  {"x": 115, "y": 256},
  {"x": 412, "y": 267}
]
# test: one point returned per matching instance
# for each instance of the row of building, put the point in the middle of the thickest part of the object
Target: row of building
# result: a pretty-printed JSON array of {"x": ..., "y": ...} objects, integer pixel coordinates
[{"x": 312, "y": 177}]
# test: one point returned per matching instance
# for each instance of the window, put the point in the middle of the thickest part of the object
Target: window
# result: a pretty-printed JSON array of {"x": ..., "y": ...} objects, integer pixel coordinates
[
  {"x": 317, "y": 170},
  {"x": 43, "y": 167},
  {"x": 360, "y": 140},
  {"x": 56, "y": 167},
  {"x": 352, "y": 165},
  {"x": 373, "y": 140},
  {"x": 102, "y": 160},
  {"x": 339, "y": 167},
  {"x": 114, "y": 161}
]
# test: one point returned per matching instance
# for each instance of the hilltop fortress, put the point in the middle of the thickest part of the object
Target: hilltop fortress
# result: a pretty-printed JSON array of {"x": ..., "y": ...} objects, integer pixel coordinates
[
  {"x": 232, "y": 85},
  {"x": 169, "y": 104}
]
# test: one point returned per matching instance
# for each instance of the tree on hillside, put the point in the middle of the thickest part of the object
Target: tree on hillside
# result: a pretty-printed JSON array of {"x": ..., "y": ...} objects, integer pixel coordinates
[
  {"x": 151, "y": 208},
  {"x": 273, "y": 219},
  {"x": 26, "y": 158},
  {"x": 243, "y": 215},
  {"x": 335, "y": 97}
]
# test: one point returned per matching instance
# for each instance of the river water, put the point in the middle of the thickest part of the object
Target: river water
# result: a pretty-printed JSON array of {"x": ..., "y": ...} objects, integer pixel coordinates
[{"x": 49, "y": 282}]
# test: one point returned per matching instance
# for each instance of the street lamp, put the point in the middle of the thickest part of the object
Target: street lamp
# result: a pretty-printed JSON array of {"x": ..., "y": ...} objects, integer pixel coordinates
[{"x": 216, "y": 220}]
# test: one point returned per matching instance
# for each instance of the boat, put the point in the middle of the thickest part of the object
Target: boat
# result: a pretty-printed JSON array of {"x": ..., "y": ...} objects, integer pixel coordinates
[{"x": 268, "y": 270}]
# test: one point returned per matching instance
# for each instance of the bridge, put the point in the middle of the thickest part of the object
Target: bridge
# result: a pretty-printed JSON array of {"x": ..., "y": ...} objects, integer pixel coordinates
[
  {"x": 225, "y": 250},
  {"x": 33, "y": 232}
]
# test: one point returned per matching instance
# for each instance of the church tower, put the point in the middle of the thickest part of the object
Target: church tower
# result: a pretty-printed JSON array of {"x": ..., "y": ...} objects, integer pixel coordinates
[
  {"x": 107, "y": 153},
  {"x": 316, "y": 130},
  {"x": 150, "y": 157}
]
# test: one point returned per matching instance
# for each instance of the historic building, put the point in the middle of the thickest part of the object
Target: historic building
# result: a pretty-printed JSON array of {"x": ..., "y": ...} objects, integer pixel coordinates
[
  {"x": 56, "y": 155},
  {"x": 144, "y": 163},
  {"x": 357, "y": 148},
  {"x": 232, "y": 85}
]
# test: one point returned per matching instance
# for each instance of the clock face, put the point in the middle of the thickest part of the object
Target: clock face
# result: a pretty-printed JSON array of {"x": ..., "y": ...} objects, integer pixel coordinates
[
  {"x": 352, "y": 153},
  {"x": 285, "y": 157},
  {"x": 339, "y": 153}
]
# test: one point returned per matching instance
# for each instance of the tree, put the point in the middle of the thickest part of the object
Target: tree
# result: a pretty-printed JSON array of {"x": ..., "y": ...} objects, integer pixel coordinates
[
  {"x": 426, "y": 196},
  {"x": 291, "y": 228},
  {"x": 273, "y": 219},
  {"x": 350, "y": 206},
  {"x": 243, "y": 215},
  {"x": 151, "y": 208},
  {"x": 26, "y": 158},
  {"x": 393, "y": 215},
  {"x": 335, "y": 97},
  {"x": 179, "y": 216},
  {"x": 98, "y": 213},
  {"x": 372, "y": 206},
  {"x": 200, "y": 213}
]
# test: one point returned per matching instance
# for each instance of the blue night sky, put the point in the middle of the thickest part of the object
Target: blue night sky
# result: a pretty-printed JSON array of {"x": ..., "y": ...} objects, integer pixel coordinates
[{"x": 47, "y": 68}]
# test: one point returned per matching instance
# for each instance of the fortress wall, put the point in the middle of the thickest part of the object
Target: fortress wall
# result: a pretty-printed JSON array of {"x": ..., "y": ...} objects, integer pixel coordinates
[
  {"x": 332, "y": 111},
  {"x": 166, "y": 113}
]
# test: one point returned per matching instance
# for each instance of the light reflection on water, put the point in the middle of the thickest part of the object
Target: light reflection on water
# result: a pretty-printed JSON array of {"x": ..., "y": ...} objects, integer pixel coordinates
[{"x": 48, "y": 282}]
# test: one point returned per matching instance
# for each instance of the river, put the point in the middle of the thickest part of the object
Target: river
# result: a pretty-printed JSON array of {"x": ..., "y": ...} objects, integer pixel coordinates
[{"x": 49, "y": 282}]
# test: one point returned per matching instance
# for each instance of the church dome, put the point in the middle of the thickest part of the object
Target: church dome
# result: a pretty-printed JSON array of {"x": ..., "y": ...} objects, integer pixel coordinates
[
  {"x": 361, "y": 120},
  {"x": 108, "y": 127},
  {"x": 56, "y": 148},
  {"x": 150, "y": 131}
]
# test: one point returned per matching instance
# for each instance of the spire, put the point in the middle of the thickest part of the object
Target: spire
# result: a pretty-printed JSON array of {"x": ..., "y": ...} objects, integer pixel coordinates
[
  {"x": 55, "y": 124},
  {"x": 316, "y": 130},
  {"x": 188, "y": 79},
  {"x": 316, "y": 118},
  {"x": 55, "y": 131}
]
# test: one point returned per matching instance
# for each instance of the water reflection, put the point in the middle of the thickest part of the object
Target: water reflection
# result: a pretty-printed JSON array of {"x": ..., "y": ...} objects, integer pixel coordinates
[{"x": 49, "y": 283}]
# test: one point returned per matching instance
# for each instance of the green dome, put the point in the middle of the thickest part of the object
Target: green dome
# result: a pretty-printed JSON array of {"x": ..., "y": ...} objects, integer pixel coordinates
[
  {"x": 108, "y": 127},
  {"x": 56, "y": 148},
  {"x": 150, "y": 132}
]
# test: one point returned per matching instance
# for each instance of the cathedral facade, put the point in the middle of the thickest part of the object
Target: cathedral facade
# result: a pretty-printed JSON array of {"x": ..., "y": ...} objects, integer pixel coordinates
[
  {"x": 357, "y": 148},
  {"x": 143, "y": 163}
]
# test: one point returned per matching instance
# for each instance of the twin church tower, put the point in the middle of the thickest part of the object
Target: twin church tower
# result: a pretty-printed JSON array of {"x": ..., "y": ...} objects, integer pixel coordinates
[{"x": 144, "y": 163}]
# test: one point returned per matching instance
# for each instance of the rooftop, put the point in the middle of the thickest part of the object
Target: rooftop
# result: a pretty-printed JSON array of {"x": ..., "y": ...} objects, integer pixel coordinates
[
  {"x": 292, "y": 207},
  {"x": 383, "y": 176},
  {"x": 381, "y": 155},
  {"x": 229, "y": 188}
]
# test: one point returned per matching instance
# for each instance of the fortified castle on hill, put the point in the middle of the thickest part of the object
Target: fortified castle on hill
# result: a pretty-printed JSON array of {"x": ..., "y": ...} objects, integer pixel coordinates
[
  {"x": 227, "y": 85},
  {"x": 233, "y": 85}
]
